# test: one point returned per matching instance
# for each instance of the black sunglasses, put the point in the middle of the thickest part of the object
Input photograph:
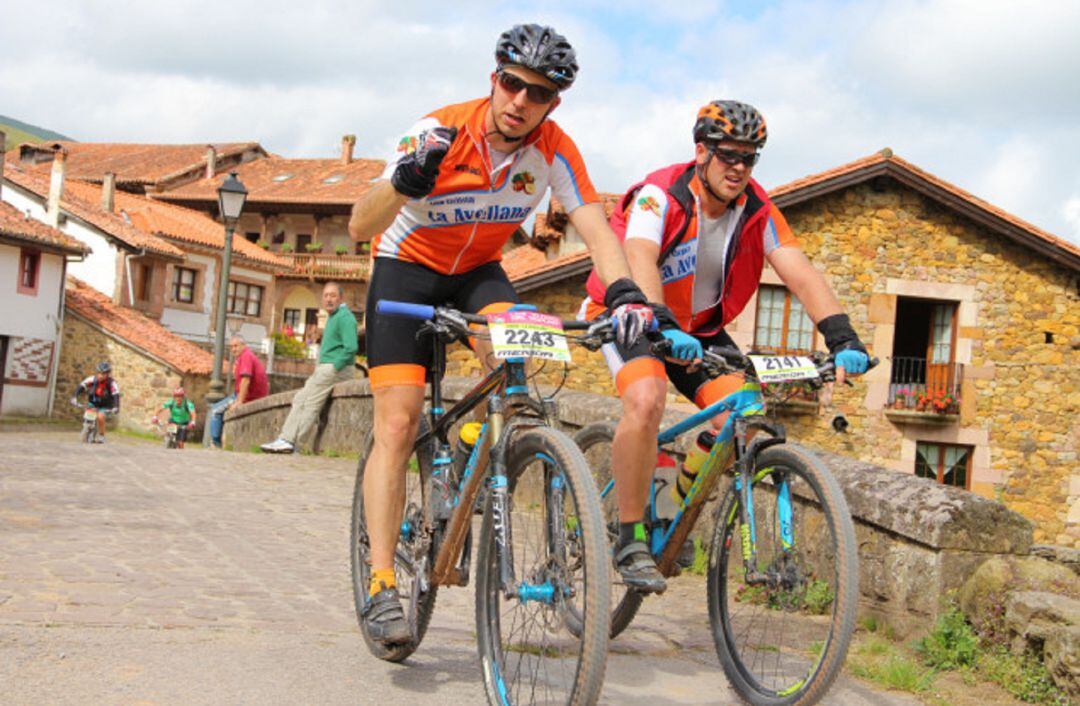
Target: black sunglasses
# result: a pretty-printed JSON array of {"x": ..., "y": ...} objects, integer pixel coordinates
[
  {"x": 533, "y": 91},
  {"x": 731, "y": 157}
]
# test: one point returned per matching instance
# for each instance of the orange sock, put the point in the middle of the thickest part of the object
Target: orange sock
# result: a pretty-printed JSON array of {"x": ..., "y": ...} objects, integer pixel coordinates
[{"x": 382, "y": 579}]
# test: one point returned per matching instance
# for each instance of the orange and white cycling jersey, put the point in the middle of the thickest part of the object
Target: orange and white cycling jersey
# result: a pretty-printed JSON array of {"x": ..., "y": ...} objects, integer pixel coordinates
[{"x": 476, "y": 205}]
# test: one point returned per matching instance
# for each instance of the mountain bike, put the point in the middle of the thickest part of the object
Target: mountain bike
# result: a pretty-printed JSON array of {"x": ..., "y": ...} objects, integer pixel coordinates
[
  {"x": 542, "y": 547},
  {"x": 782, "y": 573}
]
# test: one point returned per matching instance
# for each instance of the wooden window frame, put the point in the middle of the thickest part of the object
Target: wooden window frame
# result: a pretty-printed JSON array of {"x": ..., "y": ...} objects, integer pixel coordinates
[
  {"x": 29, "y": 264},
  {"x": 783, "y": 348},
  {"x": 231, "y": 298},
  {"x": 940, "y": 477},
  {"x": 177, "y": 273}
]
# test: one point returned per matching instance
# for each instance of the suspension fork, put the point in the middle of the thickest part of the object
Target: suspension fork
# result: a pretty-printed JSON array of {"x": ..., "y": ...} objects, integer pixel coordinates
[
  {"x": 500, "y": 496},
  {"x": 746, "y": 451}
]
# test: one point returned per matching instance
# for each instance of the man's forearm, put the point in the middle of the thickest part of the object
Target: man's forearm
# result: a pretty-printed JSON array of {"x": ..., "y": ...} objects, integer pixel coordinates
[
  {"x": 641, "y": 255},
  {"x": 241, "y": 395},
  {"x": 604, "y": 246},
  {"x": 375, "y": 211},
  {"x": 805, "y": 282}
]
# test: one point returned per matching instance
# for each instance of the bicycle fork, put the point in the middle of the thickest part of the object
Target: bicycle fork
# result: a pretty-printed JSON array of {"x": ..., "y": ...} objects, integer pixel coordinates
[{"x": 746, "y": 453}]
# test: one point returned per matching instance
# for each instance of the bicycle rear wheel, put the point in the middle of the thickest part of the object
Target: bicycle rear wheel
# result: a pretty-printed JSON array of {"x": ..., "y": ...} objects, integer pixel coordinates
[
  {"x": 412, "y": 558},
  {"x": 783, "y": 633},
  {"x": 559, "y": 552},
  {"x": 595, "y": 443}
]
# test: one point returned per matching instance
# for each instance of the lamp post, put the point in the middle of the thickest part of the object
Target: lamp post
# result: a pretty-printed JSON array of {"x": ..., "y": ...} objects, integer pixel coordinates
[{"x": 231, "y": 197}]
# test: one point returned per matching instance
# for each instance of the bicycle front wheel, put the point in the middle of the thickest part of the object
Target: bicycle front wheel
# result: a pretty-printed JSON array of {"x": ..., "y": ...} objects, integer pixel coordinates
[
  {"x": 557, "y": 547},
  {"x": 412, "y": 565},
  {"x": 782, "y": 624}
]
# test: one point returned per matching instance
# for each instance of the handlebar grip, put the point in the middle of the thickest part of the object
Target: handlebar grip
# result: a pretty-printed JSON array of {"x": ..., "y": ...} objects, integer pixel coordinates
[{"x": 412, "y": 311}]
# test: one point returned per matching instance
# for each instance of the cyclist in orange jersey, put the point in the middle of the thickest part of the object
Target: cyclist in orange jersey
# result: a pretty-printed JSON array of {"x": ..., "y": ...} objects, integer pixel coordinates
[
  {"x": 460, "y": 183},
  {"x": 696, "y": 235}
]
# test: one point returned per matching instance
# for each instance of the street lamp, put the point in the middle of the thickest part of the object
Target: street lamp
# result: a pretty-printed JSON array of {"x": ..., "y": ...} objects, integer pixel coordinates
[{"x": 231, "y": 197}]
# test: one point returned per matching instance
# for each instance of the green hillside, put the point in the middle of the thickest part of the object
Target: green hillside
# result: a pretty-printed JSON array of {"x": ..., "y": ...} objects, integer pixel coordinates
[{"x": 18, "y": 132}]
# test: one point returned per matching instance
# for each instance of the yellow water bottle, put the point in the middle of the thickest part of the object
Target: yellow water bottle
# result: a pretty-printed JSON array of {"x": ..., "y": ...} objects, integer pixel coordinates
[
  {"x": 470, "y": 432},
  {"x": 691, "y": 465}
]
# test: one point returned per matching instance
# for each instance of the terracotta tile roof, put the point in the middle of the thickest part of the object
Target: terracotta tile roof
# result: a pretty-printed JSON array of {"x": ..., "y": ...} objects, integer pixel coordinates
[
  {"x": 136, "y": 328},
  {"x": 142, "y": 164},
  {"x": 16, "y": 224},
  {"x": 885, "y": 163},
  {"x": 276, "y": 180},
  {"x": 91, "y": 212},
  {"x": 182, "y": 224},
  {"x": 529, "y": 268}
]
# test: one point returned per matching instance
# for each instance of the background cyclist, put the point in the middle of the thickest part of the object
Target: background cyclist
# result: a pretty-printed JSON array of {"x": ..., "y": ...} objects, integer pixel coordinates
[{"x": 102, "y": 395}]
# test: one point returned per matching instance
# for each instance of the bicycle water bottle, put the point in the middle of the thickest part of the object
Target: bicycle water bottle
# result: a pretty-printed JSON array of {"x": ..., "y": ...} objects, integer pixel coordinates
[
  {"x": 467, "y": 438},
  {"x": 691, "y": 465},
  {"x": 441, "y": 492},
  {"x": 665, "y": 476}
]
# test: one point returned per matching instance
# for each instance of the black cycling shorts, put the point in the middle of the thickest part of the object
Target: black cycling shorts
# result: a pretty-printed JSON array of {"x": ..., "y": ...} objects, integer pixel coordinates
[{"x": 392, "y": 342}]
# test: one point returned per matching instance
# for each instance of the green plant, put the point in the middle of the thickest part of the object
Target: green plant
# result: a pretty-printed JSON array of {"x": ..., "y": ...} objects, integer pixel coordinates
[
  {"x": 819, "y": 597},
  {"x": 288, "y": 347},
  {"x": 951, "y": 644},
  {"x": 313, "y": 247},
  {"x": 896, "y": 671},
  {"x": 700, "y": 565},
  {"x": 341, "y": 250},
  {"x": 263, "y": 244},
  {"x": 1025, "y": 677},
  {"x": 286, "y": 248}
]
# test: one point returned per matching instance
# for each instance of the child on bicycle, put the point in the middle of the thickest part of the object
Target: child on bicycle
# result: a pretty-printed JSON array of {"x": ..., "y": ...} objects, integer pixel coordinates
[{"x": 696, "y": 235}]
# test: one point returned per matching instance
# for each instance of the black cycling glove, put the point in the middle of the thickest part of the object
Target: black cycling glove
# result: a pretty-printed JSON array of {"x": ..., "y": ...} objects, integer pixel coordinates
[
  {"x": 839, "y": 336},
  {"x": 415, "y": 174}
]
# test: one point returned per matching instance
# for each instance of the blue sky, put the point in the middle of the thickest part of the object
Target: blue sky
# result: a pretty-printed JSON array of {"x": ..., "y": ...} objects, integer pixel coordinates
[{"x": 979, "y": 93}]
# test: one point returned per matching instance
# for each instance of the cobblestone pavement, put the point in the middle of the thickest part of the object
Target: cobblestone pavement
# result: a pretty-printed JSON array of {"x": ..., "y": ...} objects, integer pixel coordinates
[{"x": 131, "y": 574}]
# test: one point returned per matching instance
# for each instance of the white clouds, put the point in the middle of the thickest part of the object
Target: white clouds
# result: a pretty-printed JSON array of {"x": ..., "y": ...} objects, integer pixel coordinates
[
  {"x": 1071, "y": 212},
  {"x": 979, "y": 94}
]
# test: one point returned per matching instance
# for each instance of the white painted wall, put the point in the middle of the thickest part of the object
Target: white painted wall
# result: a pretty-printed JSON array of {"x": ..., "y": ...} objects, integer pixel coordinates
[
  {"x": 28, "y": 316},
  {"x": 99, "y": 268}
]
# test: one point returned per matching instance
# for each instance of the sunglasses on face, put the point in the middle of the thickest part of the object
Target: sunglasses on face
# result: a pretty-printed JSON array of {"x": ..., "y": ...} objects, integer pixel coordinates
[
  {"x": 533, "y": 91},
  {"x": 731, "y": 157}
]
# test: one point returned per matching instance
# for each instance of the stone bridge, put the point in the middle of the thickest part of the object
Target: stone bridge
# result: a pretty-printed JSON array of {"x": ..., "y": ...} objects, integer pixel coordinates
[{"x": 918, "y": 540}]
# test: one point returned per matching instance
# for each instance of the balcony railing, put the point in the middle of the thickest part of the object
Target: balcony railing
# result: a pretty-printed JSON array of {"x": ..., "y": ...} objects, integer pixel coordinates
[
  {"x": 917, "y": 385},
  {"x": 319, "y": 266}
]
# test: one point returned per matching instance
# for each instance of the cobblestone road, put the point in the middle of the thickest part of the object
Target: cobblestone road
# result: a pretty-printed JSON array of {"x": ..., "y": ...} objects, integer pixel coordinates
[{"x": 135, "y": 575}]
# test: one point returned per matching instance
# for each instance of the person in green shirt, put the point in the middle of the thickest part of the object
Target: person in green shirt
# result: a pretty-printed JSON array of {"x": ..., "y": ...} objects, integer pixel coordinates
[
  {"x": 181, "y": 413},
  {"x": 337, "y": 360}
]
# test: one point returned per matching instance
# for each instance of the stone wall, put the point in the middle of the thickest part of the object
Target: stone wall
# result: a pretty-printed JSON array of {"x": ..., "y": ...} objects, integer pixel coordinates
[
  {"x": 145, "y": 382},
  {"x": 917, "y": 540}
]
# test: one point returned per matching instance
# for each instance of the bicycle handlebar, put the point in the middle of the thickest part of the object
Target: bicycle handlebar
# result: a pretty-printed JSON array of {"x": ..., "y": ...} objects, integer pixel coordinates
[{"x": 426, "y": 312}]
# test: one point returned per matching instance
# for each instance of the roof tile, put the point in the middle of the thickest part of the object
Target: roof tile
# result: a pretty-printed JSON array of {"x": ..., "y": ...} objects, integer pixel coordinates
[
  {"x": 136, "y": 328},
  {"x": 15, "y": 224}
]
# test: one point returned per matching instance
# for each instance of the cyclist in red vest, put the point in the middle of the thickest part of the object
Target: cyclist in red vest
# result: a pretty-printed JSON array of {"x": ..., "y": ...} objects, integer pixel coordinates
[{"x": 696, "y": 235}]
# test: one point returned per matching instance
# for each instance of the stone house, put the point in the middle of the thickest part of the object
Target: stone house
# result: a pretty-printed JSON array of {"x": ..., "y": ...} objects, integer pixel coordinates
[
  {"x": 33, "y": 263},
  {"x": 299, "y": 209},
  {"x": 148, "y": 360},
  {"x": 966, "y": 305}
]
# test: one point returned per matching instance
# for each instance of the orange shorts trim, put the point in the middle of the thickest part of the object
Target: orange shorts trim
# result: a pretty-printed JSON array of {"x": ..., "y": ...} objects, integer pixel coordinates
[
  {"x": 717, "y": 389},
  {"x": 592, "y": 311},
  {"x": 638, "y": 369},
  {"x": 408, "y": 374}
]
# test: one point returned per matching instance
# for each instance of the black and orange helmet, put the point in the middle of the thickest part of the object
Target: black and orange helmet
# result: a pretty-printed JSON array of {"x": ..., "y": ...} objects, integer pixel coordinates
[
  {"x": 540, "y": 49},
  {"x": 730, "y": 120}
]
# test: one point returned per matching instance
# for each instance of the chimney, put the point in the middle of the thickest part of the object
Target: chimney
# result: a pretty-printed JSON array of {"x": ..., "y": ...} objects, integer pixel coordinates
[
  {"x": 56, "y": 188},
  {"x": 211, "y": 161},
  {"x": 347, "y": 144},
  {"x": 108, "y": 192},
  {"x": 3, "y": 146}
]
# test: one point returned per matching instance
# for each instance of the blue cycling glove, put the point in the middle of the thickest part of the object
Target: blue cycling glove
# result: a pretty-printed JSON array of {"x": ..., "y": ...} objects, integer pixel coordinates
[
  {"x": 854, "y": 362},
  {"x": 683, "y": 345},
  {"x": 842, "y": 341}
]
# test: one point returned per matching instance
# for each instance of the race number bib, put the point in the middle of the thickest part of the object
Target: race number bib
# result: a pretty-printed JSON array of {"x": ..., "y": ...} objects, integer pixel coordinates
[
  {"x": 781, "y": 368},
  {"x": 528, "y": 334}
]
